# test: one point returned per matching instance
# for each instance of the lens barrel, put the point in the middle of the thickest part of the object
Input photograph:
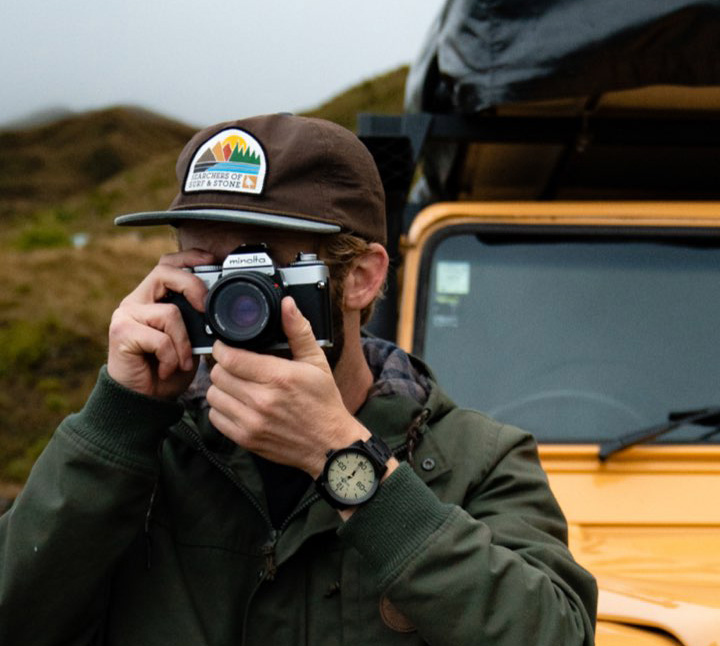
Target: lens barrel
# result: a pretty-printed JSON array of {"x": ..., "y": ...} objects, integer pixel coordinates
[{"x": 244, "y": 309}]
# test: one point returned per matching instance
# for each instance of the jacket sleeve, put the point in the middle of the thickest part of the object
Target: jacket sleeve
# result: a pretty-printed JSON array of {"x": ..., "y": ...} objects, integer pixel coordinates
[
  {"x": 82, "y": 506},
  {"x": 494, "y": 569}
]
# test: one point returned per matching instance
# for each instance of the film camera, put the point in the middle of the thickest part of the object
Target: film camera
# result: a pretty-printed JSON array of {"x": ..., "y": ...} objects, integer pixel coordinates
[{"x": 242, "y": 308}]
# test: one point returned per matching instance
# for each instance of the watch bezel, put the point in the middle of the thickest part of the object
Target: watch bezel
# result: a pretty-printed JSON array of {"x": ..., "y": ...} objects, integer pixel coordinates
[
  {"x": 337, "y": 455},
  {"x": 373, "y": 451}
]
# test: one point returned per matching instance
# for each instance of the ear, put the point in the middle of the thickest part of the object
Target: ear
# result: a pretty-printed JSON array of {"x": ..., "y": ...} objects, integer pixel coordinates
[{"x": 366, "y": 277}]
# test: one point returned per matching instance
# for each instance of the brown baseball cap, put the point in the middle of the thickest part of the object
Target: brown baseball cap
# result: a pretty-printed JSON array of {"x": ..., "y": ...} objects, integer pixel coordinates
[{"x": 279, "y": 171}]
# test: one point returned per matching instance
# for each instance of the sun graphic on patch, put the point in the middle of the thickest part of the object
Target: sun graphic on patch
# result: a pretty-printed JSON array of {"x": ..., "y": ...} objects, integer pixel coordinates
[{"x": 232, "y": 160}]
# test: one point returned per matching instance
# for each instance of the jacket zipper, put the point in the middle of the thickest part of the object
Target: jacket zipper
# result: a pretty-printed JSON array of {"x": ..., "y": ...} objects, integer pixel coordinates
[
  {"x": 268, "y": 549},
  {"x": 146, "y": 528},
  {"x": 227, "y": 471}
]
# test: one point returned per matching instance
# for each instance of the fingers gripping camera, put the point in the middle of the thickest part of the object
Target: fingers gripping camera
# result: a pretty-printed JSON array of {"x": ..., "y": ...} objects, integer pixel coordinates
[{"x": 242, "y": 308}]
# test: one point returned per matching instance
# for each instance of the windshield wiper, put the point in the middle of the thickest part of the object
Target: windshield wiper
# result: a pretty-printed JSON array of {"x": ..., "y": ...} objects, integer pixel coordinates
[{"x": 702, "y": 417}]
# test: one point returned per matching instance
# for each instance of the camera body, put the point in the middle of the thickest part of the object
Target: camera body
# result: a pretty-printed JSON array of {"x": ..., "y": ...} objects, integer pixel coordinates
[{"x": 242, "y": 307}]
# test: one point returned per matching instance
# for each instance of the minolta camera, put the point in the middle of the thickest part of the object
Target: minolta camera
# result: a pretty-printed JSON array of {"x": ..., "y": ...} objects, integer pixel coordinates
[{"x": 242, "y": 308}]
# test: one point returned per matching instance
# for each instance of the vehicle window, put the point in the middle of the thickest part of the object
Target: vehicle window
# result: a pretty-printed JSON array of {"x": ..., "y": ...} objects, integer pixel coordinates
[{"x": 576, "y": 340}]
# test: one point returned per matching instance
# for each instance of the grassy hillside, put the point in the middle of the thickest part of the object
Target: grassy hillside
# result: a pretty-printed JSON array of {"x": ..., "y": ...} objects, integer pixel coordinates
[
  {"x": 62, "y": 184},
  {"x": 51, "y": 163},
  {"x": 383, "y": 94}
]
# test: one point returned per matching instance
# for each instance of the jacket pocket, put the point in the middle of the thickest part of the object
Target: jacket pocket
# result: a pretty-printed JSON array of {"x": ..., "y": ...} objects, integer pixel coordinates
[
  {"x": 367, "y": 616},
  {"x": 393, "y": 618}
]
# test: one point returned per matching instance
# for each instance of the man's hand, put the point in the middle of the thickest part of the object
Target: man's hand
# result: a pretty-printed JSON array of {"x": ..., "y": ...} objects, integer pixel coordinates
[
  {"x": 150, "y": 352},
  {"x": 288, "y": 411}
]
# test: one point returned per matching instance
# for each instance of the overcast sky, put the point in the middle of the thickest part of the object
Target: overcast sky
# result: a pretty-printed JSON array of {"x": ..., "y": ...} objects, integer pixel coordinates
[{"x": 200, "y": 62}]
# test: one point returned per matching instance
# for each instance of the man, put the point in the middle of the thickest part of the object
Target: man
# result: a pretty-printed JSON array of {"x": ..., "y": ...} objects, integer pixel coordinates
[{"x": 178, "y": 507}]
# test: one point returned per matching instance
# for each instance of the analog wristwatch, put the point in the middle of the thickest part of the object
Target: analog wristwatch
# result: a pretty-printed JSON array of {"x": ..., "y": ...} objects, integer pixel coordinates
[{"x": 352, "y": 475}]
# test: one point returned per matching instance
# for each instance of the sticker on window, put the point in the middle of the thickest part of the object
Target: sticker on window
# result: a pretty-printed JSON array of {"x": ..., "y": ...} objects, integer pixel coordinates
[
  {"x": 444, "y": 312},
  {"x": 452, "y": 277}
]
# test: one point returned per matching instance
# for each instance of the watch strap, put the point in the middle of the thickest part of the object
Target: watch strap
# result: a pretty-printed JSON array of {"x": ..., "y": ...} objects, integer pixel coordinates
[{"x": 379, "y": 451}]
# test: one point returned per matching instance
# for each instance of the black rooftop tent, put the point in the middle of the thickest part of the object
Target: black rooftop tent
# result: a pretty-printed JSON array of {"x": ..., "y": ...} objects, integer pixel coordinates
[
  {"x": 485, "y": 53},
  {"x": 570, "y": 75}
]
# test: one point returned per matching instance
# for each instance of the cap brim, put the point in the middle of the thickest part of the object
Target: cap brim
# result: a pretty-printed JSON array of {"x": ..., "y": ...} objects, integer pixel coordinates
[{"x": 227, "y": 215}]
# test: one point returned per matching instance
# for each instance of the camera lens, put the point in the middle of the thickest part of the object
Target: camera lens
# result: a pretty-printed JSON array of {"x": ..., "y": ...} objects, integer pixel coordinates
[
  {"x": 241, "y": 307},
  {"x": 241, "y": 311},
  {"x": 246, "y": 311}
]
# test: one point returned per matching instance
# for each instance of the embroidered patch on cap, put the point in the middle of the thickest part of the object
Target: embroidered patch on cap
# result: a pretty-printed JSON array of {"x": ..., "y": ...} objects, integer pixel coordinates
[{"x": 232, "y": 161}]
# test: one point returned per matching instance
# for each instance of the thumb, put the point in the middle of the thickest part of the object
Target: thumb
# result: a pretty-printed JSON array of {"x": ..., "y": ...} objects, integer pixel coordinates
[{"x": 302, "y": 341}]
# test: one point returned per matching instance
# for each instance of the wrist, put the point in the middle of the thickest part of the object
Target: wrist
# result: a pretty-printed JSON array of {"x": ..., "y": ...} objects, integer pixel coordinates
[{"x": 351, "y": 432}]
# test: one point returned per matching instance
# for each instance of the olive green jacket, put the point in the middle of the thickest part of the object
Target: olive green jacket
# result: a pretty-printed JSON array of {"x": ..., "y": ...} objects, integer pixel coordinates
[{"x": 139, "y": 527}]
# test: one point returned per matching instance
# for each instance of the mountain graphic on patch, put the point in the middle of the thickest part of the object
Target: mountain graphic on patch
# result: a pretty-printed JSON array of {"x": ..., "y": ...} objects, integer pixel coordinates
[{"x": 232, "y": 160}]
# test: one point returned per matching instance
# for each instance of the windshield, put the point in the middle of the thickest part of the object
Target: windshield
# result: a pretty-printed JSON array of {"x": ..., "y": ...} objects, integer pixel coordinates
[{"x": 576, "y": 339}]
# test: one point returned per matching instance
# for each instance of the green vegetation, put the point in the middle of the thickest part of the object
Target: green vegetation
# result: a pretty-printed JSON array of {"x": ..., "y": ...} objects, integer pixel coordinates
[
  {"x": 55, "y": 306},
  {"x": 42, "y": 236},
  {"x": 35, "y": 359},
  {"x": 383, "y": 94},
  {"x": 64, "y": 266}
]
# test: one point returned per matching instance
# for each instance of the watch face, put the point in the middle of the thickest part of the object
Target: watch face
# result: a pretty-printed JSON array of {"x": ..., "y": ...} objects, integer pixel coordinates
[{"x": 351, "y": 477}]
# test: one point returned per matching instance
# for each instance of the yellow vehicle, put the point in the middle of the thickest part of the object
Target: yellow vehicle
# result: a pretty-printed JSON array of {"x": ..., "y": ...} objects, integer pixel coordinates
[
  {"x": 584, "y": 322},
  {"x": 559, "y": 268}
]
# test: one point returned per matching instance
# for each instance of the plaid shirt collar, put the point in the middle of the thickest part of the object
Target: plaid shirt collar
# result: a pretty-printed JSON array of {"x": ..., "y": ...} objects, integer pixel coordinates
[{"x": 393, "y": 371}]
